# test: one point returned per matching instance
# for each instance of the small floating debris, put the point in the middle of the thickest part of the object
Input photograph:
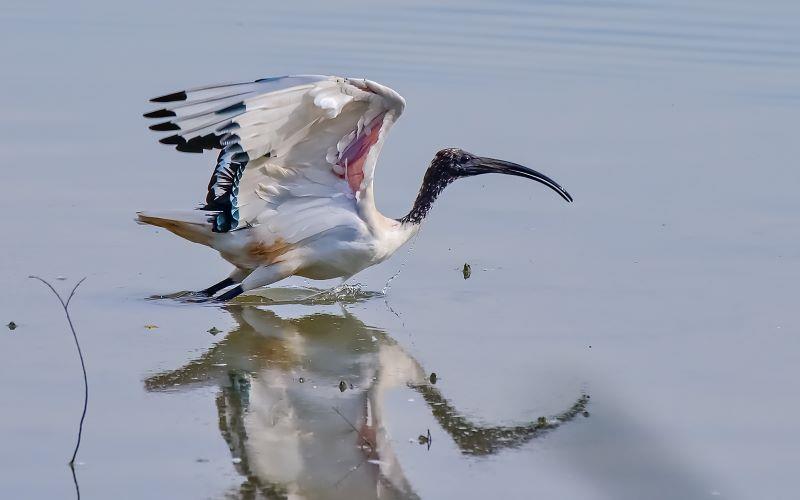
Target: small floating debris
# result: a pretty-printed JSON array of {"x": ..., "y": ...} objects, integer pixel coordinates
[
  {"x": 214, "y": 330},
  {"x": 150, "y": 327},
  {"x": 61, "y": 278},
  {"x": 301, "y": 380},
  {"x": 236, "y": 460},
  {"x": 433, "y": 378},
  {"x": 11, "y": 325},
  {"x": 425, "y": 439},
  {"x": 467, "y": 271},
  {"x": 342, "y": 386}
]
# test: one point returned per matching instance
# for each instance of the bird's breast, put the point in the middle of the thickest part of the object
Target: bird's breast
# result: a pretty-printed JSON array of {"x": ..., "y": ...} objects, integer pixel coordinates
[
  {"x": 333, "y": 253},
  {"x": 331, "y": 258}
]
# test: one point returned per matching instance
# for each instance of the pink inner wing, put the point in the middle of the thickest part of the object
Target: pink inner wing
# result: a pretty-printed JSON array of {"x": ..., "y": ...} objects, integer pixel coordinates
[{"x": 355, "y": 154}]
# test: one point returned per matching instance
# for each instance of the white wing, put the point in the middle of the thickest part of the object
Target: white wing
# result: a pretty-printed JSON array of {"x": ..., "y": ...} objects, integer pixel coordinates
[{"x": 287, "y": 143}]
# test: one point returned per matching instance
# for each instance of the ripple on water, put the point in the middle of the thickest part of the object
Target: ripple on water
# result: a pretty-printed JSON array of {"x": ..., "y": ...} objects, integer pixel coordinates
[{"x": 342, "y": 294}]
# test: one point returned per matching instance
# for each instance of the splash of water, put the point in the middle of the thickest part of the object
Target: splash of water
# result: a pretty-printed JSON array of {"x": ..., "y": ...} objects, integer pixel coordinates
[
  {"x": 344, "y": 293},
  {"x": 388, "y": 285}
]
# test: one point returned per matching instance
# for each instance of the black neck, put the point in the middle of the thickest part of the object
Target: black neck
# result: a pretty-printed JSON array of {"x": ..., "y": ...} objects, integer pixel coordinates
[{"x": 433, "y": 184}]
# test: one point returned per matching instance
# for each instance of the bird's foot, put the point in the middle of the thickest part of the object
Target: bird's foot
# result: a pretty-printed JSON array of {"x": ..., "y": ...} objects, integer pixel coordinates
[
  {"x": 197, "y": 298},
  {"x": 203, "y": 297}
]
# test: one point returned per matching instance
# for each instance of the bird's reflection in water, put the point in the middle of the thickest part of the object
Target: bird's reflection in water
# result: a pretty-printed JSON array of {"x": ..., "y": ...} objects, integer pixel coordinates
[{"x": 301, "y": 406}]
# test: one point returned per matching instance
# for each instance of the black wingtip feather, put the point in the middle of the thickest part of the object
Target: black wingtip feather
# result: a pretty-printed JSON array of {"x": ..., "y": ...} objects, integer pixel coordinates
[
  {"x": 160, "y": 113},
  {"x": 189, "y": 148},
  {"x": 172, "y": 140},
  {"x": 233, "y": 108},
  {"x": 175, "y": 96},
  {"x": 164, "y": 127}
]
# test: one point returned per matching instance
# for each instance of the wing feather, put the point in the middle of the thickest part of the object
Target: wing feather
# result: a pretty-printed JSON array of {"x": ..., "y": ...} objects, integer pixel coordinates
[{"x": 288, "y": 145}]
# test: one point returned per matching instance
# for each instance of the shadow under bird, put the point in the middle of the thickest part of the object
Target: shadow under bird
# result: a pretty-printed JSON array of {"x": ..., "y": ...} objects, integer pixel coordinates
[{"x": 292, "y": 189}]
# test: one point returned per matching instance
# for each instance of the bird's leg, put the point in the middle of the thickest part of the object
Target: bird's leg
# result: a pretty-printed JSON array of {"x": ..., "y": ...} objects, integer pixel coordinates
[
  {"x": 230, "y": 294},
  {"x": 262, "y": 276},
  {"x": 235, "y": 277},
  {"x": 208, "y": 292}
]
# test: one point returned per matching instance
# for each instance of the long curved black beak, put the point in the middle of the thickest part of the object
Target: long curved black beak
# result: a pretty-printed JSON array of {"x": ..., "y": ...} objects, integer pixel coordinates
[{"x": 493, "y": 165}]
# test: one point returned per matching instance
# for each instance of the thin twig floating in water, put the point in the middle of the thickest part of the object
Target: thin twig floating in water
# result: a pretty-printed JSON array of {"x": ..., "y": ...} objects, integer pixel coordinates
[
  {"x": 65, "y": 305},
  {"x": 365, "y": 440}
]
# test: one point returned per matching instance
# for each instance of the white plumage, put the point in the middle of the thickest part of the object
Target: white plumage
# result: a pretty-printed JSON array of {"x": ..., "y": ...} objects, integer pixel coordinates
[{"x": 292, "y": 190}]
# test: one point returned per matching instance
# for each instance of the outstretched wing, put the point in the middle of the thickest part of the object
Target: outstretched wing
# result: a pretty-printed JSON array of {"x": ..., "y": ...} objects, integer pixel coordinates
[{"x": 295, "y": 138}]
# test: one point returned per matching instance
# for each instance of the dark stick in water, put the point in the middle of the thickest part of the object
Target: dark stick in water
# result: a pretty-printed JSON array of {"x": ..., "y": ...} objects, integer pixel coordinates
[{"x": 65, "y": 305}]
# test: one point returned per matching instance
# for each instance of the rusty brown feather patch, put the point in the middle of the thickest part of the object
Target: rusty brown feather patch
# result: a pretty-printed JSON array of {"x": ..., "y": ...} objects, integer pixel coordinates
[{"x": 264, "y": 253}]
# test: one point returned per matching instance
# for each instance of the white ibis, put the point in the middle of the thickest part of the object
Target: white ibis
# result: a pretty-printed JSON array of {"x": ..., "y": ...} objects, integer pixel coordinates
[{"x": 292, "y": 190}]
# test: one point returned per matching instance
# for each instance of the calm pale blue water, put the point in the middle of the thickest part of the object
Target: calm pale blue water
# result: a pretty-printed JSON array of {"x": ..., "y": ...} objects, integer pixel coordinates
[{"x": 667, "y": 292}]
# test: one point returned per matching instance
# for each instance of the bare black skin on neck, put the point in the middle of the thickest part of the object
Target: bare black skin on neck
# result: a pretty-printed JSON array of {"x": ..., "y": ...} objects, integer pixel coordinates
[
  {"x": 442, "y": 171},
  {"x": 451, "y": 164}
]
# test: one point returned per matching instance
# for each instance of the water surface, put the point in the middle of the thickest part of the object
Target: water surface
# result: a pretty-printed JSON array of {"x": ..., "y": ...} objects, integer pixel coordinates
[{"x": 666, "y": 292}]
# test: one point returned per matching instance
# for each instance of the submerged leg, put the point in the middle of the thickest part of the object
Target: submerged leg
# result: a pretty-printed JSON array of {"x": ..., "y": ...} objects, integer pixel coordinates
[{"x": 262, "y": 276}]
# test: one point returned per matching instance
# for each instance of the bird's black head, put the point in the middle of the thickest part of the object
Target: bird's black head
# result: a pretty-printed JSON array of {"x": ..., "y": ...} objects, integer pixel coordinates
[{"x": 453, "y": 163}]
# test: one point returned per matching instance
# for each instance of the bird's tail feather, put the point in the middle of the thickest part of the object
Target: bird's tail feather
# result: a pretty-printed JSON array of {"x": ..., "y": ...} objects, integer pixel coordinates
[{"x": 192, "y": 225}]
